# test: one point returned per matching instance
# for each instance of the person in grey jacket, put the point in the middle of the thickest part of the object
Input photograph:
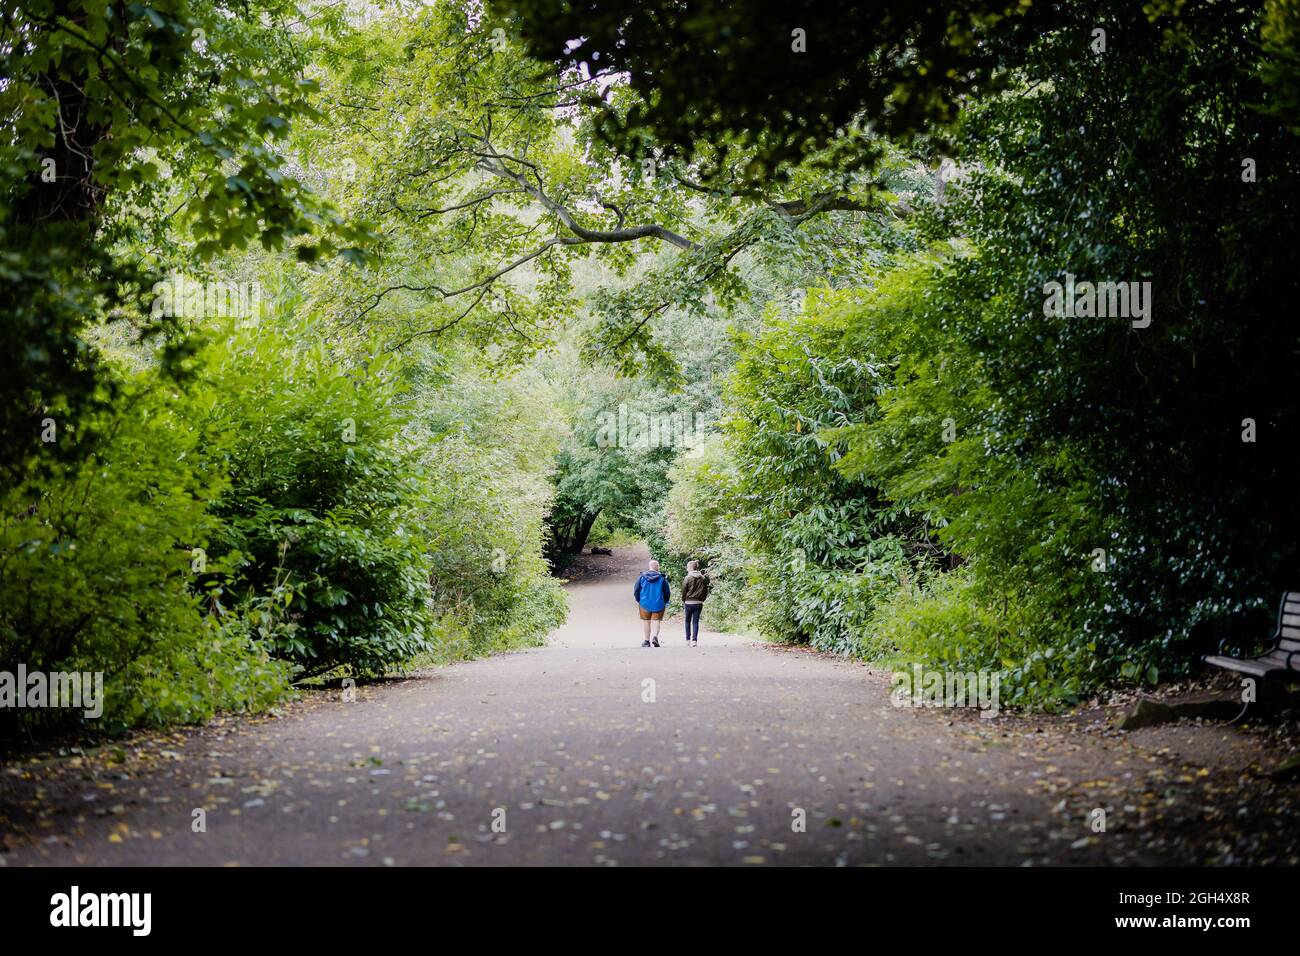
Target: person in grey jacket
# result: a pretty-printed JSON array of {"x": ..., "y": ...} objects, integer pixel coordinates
[{"x": 695, "y": 588}]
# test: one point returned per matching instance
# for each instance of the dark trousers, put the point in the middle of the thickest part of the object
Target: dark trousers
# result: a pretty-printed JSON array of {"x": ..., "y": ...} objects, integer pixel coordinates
[{"x": 693, "y": 621}]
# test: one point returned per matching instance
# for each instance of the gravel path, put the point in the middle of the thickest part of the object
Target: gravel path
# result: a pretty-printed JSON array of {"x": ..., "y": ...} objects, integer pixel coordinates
[{"x": 558, "y": 755}]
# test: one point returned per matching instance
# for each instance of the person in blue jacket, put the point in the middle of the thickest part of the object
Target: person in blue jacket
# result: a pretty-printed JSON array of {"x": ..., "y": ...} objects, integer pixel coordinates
[{"x": 651, "y": 593}]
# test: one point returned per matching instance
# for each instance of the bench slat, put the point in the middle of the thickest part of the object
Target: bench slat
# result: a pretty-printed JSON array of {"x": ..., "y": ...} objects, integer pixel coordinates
[{"x": 1251, "y": 666}]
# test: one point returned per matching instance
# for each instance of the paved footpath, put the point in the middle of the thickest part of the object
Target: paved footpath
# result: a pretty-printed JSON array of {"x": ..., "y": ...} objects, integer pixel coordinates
[{"x": 557, "y": 755}]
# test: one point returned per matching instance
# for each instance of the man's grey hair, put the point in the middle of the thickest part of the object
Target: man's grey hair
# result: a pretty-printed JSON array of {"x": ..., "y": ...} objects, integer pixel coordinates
[{"x": 654, "y": 565}]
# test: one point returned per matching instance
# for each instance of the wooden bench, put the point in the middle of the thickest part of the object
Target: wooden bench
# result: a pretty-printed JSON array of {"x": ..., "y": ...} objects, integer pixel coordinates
[{"x": 1281, "y": 653}]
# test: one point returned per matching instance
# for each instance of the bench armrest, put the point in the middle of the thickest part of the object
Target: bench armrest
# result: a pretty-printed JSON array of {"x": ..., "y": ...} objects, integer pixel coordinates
[{"x": 1239, "y": 650}]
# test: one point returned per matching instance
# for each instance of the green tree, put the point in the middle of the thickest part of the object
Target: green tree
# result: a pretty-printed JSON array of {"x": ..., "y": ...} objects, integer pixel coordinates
[
  {"x": 483, "y": 168},
  {"x": 121, "y": 121},
  {"x": 775, "y": 87}
]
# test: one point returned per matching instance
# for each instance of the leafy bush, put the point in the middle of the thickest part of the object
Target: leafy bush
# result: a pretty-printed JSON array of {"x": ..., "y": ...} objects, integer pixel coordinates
[
  {"x": 698, "y": 525},
  {"x": 96, "y": 573},
  {"x": 1082, "y": 494},
  {"x": 486, "y": 444},
  {"x": 293, "y": 513},
  {"x": 823, "y": 547},
  {"x": 949, "y": 624},
  {"x": 324, "y": 499}
]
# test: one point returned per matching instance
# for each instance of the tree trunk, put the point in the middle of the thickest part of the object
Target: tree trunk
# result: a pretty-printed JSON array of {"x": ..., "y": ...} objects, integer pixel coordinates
[{"x": 584, "y": 529}]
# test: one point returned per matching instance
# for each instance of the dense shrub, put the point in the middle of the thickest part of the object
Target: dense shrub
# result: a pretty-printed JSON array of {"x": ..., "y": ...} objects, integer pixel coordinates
[
  {"x": 950, "y": 623},
  {"x": 822, "y": 547},
  {"x": 487, "y": 445},
  {"x": 96, "y": 573},
  {"x": 295, "y": 511},
  {"x": 323, "y": 499},
  {"x": 1099, "y": 483},
  {"x": 1024, "y": 524},
  {"x": 699, "y": 525},
  {"x": 932, "y": 469}
]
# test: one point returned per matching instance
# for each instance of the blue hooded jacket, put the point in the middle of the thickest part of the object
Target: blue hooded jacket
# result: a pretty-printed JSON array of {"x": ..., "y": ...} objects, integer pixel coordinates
[{"x": 651, "y": 591}]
